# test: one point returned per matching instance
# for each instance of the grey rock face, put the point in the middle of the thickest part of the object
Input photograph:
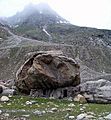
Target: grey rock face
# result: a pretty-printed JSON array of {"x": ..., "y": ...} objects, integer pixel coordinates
[
  {"x": 56, "y": 93},
  {"x": 9, "y": 91},
  {"x": 108, "y": 117},
  {"x": 97, "y": 91}
]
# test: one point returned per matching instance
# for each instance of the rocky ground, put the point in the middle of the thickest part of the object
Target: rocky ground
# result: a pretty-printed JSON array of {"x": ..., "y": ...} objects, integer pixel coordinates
[
  {"x": 28, "y": 108},
  {"x": 19, "y": 107}
]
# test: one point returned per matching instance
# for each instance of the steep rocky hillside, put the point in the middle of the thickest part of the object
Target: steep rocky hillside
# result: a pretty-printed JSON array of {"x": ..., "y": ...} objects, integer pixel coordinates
[
  {"x": 16, "y": 49},
  {"x": 40, "y": 22},
  {"x": 92, "y": 46},
  {"x": 4, "y": 33}
]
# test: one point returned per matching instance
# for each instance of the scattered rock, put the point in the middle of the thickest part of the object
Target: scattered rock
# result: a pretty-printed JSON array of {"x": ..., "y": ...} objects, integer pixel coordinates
[
  {"x": 71, "y": 117},
  {"x": 20, "y": 118},
  {"x": 81, "y": 109},
  {"x": 70, "y": 99},
  {"x": 80, "y": 98},
  {"x": 90, "y": 117},
  {"x": 69, "y": 109},
  {"x": 8, "y": 92},
  {"x": 81, "y": 116},
  {"x": 0, "y": 111},
  {"x": 26, "y": 115},
  {"x": 71, "y": 105},
  {"x": 54, "y": 109},
  {"x": 9, "y": 104},
  {"x": 28, "y": 103},
  {"x": 6, "y": 114},
  {"x": 108, "y": 117},
  {"x": 4, "y": 99},
  {"x": 39, "y": 113},
  {"x": 51, "y": 98}
]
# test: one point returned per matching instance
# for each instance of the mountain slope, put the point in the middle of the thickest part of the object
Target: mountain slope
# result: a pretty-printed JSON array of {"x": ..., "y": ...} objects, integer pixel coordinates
[
  {"x": 30, "y": 29},
  {"x": 16, "y": 49},
  {"x": 4, "y": 33},
  {"x": 92, "y": 46}
]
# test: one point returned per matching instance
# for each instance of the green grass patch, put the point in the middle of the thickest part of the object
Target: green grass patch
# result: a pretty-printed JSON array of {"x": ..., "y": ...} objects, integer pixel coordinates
[{"x": 17, "y": 107}]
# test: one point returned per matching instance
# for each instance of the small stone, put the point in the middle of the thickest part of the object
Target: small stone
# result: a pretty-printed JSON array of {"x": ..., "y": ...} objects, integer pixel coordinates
[
  {"x": 81, "y": 109},
  {"x": 9, "y": 96},
  {"x": 84, "y": 107},
  {"x": 71, "y": 105},
  {"x": 70, "y": 99},
  {"x": 50, "y": 111},
  {"x": 4, "y": 99},
  {"x": 54, "y": 109},
  {"x": 28, "y": 103},
  {"x": 80, "y": 98},
  {"x": 81, "y": 116},
  {"x": 9, "y": 104},
  {"x": 90, "y": 116},
  {"x": 43, "y": 111},
  {"x": 90, "y": 113},
  {"x": 108, "y": 117},
  {"x": 33, "y": 101},
  {"x": 81, "y": 104},
  {"x": 6, "y": 115},
  {"x": 71, "y": 117},
  {"x": 51, "y": 98},
  {"x": 8, "y": 92},
  {"x": 0, "y": 111},
  {"x": 100, "y": 118},
  {"x": 25, "y": 115},
  {"x": 69, "y": 109},
  {"x": 37, "y": 112}
]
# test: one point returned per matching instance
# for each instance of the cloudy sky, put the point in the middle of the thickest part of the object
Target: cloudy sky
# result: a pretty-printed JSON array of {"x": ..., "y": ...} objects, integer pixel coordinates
[{"x": 92, "y": 13}]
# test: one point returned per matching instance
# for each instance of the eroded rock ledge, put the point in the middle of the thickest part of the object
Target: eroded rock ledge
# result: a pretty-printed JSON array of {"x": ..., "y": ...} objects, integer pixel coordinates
[{"x": 48, "y": 71}]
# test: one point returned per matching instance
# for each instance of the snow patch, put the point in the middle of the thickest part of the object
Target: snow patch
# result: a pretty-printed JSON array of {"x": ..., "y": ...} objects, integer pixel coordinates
[
  {"x": 109, "y": 46},
  {"x": 16, "y": 26},
  {"x": 61, "y": 21},
  {"x": 46, "y": 32}
]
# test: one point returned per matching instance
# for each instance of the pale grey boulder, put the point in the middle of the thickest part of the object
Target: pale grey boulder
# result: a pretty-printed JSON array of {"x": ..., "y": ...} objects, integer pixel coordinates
[{"x": 97, "y": 91}]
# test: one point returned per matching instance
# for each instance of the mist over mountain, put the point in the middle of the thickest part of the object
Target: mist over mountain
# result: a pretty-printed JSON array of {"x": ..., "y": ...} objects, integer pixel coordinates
[{"x": 39, "y": 15}]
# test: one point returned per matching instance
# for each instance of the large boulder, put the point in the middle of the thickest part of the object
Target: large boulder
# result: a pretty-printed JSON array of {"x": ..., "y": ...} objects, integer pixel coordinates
[{"x": 47, "y": 70}]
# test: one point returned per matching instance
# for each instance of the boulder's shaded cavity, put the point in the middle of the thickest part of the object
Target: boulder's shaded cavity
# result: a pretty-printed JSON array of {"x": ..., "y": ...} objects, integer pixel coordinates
[{"x": 47, "y": 71}]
